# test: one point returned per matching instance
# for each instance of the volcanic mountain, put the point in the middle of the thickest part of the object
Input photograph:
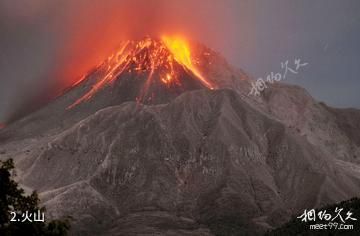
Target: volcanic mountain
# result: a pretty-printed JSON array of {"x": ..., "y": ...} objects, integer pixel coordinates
[
  {"x": 162, "y": 138},
  {"x": 158, "y": 69},
  {"x": 148, "y": 71}
]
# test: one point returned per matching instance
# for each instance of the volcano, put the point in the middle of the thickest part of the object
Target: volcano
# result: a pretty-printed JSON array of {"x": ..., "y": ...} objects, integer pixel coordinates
[
  {"x": 148, "y": 71},
  {"x": 151, "y": 68},
  {"x": 162, "y": 138}
]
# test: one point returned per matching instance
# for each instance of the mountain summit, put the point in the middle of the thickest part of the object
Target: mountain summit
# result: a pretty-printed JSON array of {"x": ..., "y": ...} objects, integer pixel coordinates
[
  {"x": 150, "y": 68},
  {"x": 147, "y": 71}
]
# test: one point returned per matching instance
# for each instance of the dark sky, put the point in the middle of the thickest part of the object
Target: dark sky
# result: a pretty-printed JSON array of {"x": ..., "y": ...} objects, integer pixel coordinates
[{"x": 43, "y": 42}]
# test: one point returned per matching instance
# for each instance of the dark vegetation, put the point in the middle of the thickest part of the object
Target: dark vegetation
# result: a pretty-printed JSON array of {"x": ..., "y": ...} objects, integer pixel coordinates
[{"x": 14, "y": 199}]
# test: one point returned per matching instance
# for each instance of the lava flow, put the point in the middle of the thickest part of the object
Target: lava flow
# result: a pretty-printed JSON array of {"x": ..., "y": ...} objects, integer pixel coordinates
[{"x": 147, "y": 56}]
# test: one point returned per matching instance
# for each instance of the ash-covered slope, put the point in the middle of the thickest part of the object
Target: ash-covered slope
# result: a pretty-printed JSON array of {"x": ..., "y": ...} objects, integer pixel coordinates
[
  {"x": 182, "y": 167},
  {"x": 126, "y": 153},
  {"x": 334, "y": 131}
]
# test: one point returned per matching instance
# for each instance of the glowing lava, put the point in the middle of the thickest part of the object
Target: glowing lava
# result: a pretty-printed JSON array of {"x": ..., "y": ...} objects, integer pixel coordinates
[
  {"x": 145, "y": 57},
  {"x": 181, "y": 52}
]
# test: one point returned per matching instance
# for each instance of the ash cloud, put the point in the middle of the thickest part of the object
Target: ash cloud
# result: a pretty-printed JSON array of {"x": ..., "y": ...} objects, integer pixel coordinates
[{"x": 47, "y": 45}]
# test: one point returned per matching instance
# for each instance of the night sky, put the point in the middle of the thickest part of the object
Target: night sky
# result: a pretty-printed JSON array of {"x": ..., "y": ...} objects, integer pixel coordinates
[{"x": 46, "y": 43}]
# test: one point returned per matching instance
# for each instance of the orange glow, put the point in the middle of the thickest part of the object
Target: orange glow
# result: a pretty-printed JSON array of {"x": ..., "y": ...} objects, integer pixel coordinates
[
  {"x": 144, "y": 57},
  {"x": 167, "y": 79},
  {"x": 181, "y": 52},
  {"x": 112, "y": 64}
]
